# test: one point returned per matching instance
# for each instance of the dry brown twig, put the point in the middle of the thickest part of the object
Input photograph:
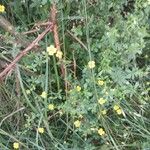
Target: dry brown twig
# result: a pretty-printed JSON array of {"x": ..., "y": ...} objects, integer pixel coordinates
[
  {"x": 57, "y": 42},
  {"x": 25, "y": 51}
]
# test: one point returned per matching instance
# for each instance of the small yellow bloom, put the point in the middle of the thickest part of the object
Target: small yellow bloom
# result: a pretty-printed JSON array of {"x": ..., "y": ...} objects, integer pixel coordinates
[
  {"x": 101, "y": 131},
  {"x": 100, "y": 82},
  {"x": 77, "y": 123},
  {"x": 91, "y": 64},
  {"x": 59, "y": 54},
  {"x": 101, "y": 101},
  {"x": 51, "y": 107},
  {"x": 78, "y": 88},
  {"x": 44, "y": 94},
  {"x": 16, "y": 145},
  {"x": 116, "y": 107},
  {"x": 41, "y": 130},
  {"x": 104, "y": 112},
  {"x": 119, "y": 111},
  {"x": 51, "y": 50},
  {"x": 28, "y": 91},
  {"x": 2, "y": 8}
]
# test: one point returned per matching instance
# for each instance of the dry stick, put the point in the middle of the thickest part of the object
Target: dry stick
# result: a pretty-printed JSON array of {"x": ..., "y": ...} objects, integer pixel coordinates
[
  {"x": 20, "y": 109},
  {"x": 8, "y": 27},
  {"x": 78, "y": 40},
  {"x": 56, "y": 40},
  {"x": 25, "y": 51}
]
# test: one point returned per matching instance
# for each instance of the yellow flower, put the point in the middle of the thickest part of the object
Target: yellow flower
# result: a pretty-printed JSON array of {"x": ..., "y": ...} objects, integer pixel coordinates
[
  {"x": 104, "y": 112},
  {"x": 59, "y": 54},
  {"x": 41, "y": 130},
  {"x": 100, "y": 82},
  {"x": 77, "y": 123},
  {"x": 44, "y": 94},
  {"x": 91, "y": 64},
  {"x": 101, "y": 101},
  {"x": 51, "y": 107},
  {"x": 2, "y": 8},
  {"x": 101, "y": 131},
  {"x": 116, "y": 107},
  {"x": 78, "y": 88},
  {"x": 16, "y": 145},
  {"x": 51, "y": 50},
  {"x": 119, "y": 111},
  {"x": 28, "y": 91}
]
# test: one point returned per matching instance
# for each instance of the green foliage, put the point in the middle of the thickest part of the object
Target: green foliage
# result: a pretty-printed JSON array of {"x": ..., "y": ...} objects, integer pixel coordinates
[{"x": 113, "y": 34}]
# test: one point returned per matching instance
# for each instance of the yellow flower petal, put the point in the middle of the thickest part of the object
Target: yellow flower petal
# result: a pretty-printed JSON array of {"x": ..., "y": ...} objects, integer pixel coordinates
[
  {"x": 119, "y": 111},
  {"x": 51, "y": 50},
  {"x": 101, "y": 101},
  {"x": 101, "y": 131},
  {"x": 51, "y": 107},
  {"x": 44, "y": 94},
  {"x": 2, "y": 8},
  {"x": 41, "y": 130},
  {"x": 91, "y": 64},
  {"x": 78, "y": 88},
  {"x": 77, "y": 123},
  {"x": 116, "y": 107},
  {"x": 28, "y": 91},
  {"x": 59, "y": 54},
  {"x": 100, "y": 82},
  {"x": 104, "y": 112},
  {"x": 16, "y": 145}
]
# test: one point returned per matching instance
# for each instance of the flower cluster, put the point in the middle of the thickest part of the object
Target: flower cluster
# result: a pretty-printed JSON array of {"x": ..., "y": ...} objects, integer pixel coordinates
[
  {"x": 118, "y": 109},
  {"x": 52, "y": 50}
]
